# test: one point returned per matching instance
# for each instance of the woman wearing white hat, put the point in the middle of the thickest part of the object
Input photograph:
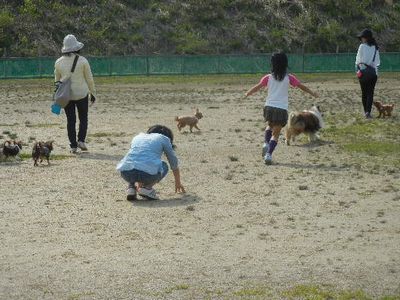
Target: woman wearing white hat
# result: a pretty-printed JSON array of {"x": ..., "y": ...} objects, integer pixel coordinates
[{"x": 82, "y": 87}]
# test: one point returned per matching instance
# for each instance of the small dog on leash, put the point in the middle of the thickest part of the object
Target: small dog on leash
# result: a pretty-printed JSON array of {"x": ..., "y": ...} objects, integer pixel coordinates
[
  {"x": 190, "y": 121},
  {"x": 384, "y": 110},
  {"x": 40, "y": 151},
  {"x": 308, "y": 122},
  {"x": 11, "y": 148}
]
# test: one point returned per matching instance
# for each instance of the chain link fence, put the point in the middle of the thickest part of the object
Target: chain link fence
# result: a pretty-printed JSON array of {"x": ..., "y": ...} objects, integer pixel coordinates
[{"x": 193, "y": 65}]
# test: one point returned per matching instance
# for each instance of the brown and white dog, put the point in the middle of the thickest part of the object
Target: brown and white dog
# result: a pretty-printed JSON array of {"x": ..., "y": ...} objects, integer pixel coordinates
[
  {"x": 190, "y": 121},
  {"x": 308, "y": 122},
  {"x": 384, "y": 110}
]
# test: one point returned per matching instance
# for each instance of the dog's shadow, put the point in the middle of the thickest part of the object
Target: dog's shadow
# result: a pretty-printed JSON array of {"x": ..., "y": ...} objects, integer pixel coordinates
[
  {"x": 314, "y": 144},
  {"x": 99, "y": 156},
  {"x": 183, "y": 200},
  {"x": 197, "y": 132}
]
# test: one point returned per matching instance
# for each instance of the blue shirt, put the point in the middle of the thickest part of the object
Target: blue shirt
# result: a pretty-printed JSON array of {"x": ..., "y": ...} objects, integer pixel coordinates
[{"x": 145, "y": 154}]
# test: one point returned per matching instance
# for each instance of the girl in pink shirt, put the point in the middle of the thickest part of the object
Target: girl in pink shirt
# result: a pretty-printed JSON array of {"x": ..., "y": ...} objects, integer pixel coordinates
[{"x": 276, "y": 104}]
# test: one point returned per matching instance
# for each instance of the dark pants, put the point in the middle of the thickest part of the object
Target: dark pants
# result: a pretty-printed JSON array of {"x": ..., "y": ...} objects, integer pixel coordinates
[
  {"x": 367, "y": 89},
  {"x": 83, "y": 106}
]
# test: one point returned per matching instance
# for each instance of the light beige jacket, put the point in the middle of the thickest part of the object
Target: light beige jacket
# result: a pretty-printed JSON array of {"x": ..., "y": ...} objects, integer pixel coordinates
[{"x": 81, "y": 80}]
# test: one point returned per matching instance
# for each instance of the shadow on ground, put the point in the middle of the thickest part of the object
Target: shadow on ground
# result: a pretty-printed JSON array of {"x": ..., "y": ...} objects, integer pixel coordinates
[
  {"x": 182, "y": 200},
  {"x": 315, "y": 144},
  {"x": 310, "y": 166}
]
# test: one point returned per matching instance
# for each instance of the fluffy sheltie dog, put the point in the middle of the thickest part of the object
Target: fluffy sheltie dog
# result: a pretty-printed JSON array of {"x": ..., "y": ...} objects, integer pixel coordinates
[{"x": 307, "y": 122}]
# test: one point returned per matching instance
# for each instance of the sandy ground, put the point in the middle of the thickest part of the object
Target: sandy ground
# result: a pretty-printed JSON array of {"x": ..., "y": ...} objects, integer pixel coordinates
[{"x": 67, "y": 232}]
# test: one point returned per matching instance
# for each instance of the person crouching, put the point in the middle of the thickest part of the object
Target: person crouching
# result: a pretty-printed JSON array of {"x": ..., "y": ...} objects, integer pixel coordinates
[{"x": 142, "y": 166}]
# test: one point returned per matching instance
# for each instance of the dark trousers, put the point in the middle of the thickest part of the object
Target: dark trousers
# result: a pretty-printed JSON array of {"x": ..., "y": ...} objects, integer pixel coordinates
[
  {"x": 367, "y": 89},
  {"x": 70, "y": 110}
]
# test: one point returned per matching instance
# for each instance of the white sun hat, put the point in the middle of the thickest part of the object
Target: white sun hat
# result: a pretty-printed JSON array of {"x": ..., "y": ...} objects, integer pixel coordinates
[{"x": 71, "y": 44}]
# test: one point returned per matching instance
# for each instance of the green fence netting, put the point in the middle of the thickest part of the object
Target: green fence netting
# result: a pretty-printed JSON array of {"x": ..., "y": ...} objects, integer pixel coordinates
[{"x": 191, "y": 65}]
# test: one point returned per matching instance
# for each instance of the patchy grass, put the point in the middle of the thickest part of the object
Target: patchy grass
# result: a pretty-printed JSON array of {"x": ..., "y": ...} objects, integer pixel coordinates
[
  {"x": 233, "y": 158},
  {"x": 252, "y": 292},
  {"x": 374, "y": 148},
  {"x": 318, "y": 293},
  {"x": 376, "y": 138},
  {"x": 8, "y": 125},
  {"x": 314, "y": 292},
  {"x": 42, "y": 125},
  {"x": 298, "y": 292},
  {"x": 13, "y": 136},
  {"x": 178, "y": 287},
  {"x": 217, "y": 79},
  {"x": 107, "y": 134}
]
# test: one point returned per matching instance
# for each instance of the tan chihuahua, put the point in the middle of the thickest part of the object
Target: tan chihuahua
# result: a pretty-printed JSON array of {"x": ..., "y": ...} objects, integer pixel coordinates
[{"x": 190, "y": 121}]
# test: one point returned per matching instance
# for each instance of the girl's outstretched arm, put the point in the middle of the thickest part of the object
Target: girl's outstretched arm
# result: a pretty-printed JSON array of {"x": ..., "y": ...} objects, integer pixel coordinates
[
  {"x": 254, "y": 89},
  {"x": 307, "y": 90}
]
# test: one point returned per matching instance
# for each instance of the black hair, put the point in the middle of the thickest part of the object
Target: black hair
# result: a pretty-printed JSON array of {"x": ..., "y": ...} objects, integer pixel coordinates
[
  {"x": 368, "y": 35},
  {"x": 164, "y": 130},
  {"x": 279, "y": 65},
  {"x": 372, "y": 42}
]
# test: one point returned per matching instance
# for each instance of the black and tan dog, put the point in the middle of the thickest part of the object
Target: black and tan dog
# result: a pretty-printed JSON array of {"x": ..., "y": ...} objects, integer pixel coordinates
[
  {"x": 11, "y": 148},
  {"x": 40, "y": 151},
  {"x": 308, "y": 122}
]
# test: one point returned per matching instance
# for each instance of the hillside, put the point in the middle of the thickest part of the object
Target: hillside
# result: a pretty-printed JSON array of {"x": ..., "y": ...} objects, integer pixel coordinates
[{"x": 127, "y": 27}]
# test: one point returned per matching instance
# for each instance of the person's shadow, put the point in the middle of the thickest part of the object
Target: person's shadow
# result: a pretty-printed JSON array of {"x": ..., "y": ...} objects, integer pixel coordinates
[{"x": 182, "y": 200}]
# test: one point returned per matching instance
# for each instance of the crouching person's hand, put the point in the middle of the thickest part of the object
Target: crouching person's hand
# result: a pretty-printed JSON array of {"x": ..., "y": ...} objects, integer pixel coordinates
[
  {"x": 179, "y": 188},
  {"x": 178, "y": 185}
]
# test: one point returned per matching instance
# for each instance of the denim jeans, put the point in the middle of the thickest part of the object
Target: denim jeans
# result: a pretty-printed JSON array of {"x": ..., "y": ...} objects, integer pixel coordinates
[{"x": 133, "y": 176}]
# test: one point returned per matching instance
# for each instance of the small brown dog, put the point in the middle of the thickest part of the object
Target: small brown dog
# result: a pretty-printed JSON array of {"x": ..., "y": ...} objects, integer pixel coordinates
[
  {"x": 41, "y": 150},
  {"x": 190, "y": 121},
  {"x": 384, "y": 110},
  {"x": 308, "y": 122},
  {"x": 11, "y": 148}
]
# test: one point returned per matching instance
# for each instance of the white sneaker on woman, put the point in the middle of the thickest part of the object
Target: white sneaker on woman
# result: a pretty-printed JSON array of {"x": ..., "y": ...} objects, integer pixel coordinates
[
  {"x": 82, "y": 146},
  {"x": 148, "y": 193}
]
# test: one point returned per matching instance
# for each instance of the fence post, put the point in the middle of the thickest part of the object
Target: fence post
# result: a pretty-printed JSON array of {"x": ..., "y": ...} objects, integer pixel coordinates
[{"x": 109, "y": 67}]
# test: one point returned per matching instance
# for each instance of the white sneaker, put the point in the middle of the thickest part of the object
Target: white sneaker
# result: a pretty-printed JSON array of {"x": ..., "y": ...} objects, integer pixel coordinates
[
  {"x": 131, "y": 194},
  {"x": 74, "y": 150},
  {"x": 148, "y": 193},
  {"x": 82, "y": 146},
  {"x": 268, "y": 159},
  {"x": 265, "y": 149}
]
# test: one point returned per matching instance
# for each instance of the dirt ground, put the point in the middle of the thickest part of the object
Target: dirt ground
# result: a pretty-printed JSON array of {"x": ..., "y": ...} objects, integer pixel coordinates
[{"x": 243, "y": 230}]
